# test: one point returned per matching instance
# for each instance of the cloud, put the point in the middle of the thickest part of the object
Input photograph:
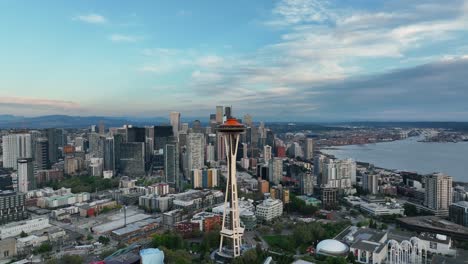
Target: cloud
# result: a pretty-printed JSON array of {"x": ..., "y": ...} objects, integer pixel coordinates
[
  {"x": 123, "y": 38},
  {"x": 91, "y": 18},
  {"x": 210, "y": 61},
  {"x": 38, "y": 103}
]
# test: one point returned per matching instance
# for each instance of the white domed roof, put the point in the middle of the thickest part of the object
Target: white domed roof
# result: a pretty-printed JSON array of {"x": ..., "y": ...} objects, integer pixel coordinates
[{"x": 332, "y": 247}]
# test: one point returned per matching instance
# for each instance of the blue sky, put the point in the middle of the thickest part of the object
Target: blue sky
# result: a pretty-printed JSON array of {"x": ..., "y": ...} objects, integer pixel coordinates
[{"x": 289, "y": 60}]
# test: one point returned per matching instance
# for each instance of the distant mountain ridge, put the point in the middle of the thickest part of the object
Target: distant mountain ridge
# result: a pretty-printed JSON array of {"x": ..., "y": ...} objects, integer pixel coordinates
[{"x": 66, "y": 121}]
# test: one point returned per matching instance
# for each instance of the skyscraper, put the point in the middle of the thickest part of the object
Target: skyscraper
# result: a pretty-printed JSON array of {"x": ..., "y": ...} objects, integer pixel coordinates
[
  {"x": 171, "y": 164},
  {"x": 248, "y": 120},
  {"x": 267, "y": 153},
  {"x": 227, "y": 111},
  {"x": 132, "y": 158},
  {"x": 438, "y": 191},
  {"x": 136, "y": 134},
  {"x": 162, "y": 135},
  {"x": 196, "y": 126},
  {"x": 370, "y": 183},
  {"x": 175, "y": 123},
  {"x": 102, "y": 128},
  {"x": 219, "y": 114},
  {"x": 309, "y": 155},
  {"x": 53, "y": 144},
  {"x": 277, "y": 170},
  {"x": 109, "y": 154},
  {"x": 15, "y": 146},
  {"x": 307, "y": 184},
  {"x": 210, "y": 153},
  {"x": 231, "y": 130},
  {"x": 26, "y": 180},
  {"x": 196, "y": 151},
  {"x": 220, "y": 147},
  {"x": 96, "y": 145},
  {"x": 41, "y": 154}
]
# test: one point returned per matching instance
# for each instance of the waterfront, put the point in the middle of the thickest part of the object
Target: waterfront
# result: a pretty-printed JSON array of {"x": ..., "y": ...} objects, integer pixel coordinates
[{"x": 411, "y": 155}]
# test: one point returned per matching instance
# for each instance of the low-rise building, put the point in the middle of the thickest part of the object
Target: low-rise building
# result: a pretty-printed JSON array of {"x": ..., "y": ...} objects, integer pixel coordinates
[
  {"x": 136, "y": 231},
  {"x": 310, "y": 200},
  {"x": 367, "y": 245},
  {"x": 155, "y": 203},
  {"x": 207, "y": 221},
  {"x": 15, "y": 229},
  {"x": 269, "y": 209},
  {"x": 172, "y": 217},
  {"x": 437, "y": 244},
  {"x": 58, "y": 201},
  {"x": 7, "y": 248},
  {"x": 382, "y": 209}
]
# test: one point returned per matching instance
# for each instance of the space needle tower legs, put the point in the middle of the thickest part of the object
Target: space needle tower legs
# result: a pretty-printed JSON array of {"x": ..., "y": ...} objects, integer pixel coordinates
[{"x": 231, "y": 130}]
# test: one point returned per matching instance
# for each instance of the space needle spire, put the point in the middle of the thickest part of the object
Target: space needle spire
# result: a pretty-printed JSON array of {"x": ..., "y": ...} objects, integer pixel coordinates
[{"x": 230, "y": 130}]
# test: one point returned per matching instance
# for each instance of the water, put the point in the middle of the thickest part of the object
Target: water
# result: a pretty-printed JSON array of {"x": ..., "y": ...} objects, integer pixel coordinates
[{"x": 411, "y": 155}]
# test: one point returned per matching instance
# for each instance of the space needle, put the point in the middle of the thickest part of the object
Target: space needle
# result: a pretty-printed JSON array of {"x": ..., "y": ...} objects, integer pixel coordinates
[{"x": 231, "y": 129}]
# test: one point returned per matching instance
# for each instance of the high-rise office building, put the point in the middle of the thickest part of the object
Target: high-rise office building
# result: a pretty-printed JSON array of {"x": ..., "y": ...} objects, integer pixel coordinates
[
  {"x": 53, "y": 144},
  {"x": 171, "y": 164},
  {"x": 15, "y": 146},
  {"x": 267, "y": 153},
  {"x": 197, "y": 127},
  {"x": 136, "y": 134},
  {"x": 248, "y": 120},
  {"x": 210, "y": 153},
  {"x": 309, "y": 155},
  {"x": 96, "y": 145},
  {"x": 175, "y": 123},
  {"x": 370, "y": 183},
  {"x": 307, "y": 184},
  {"x": 132, "y": 159},
  {"x": 196, "y": 151},
  {"x": 26, "y": 180},
  {"x": 438, "y": 195},
  {"x": 102, "y": 128},
  {"x": 109, "y": 154},
  {"x": 220, "y": 147},
  {"x": 458, "y": 213},
  {"x": 337, "y": 174},
  {"x": 12, "y": 206},
  {"x": 162, "y": 135},
  {"x": 228, "y": 111},
  {"x": 41, "y": 154},
  {"x": 219, "y": 114},
  {"x": 277, "y": 170}
]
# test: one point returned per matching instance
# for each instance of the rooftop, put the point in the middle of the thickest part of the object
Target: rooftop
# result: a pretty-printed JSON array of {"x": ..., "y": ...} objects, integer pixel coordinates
[{"x": 463, "y": 204}]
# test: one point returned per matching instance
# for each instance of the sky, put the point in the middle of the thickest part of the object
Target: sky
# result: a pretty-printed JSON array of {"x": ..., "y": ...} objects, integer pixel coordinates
[{"x": 282, "y": 60}]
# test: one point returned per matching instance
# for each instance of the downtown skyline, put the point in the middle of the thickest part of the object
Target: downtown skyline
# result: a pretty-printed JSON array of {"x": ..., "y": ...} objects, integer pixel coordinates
[{"x": 290, "y": 60}]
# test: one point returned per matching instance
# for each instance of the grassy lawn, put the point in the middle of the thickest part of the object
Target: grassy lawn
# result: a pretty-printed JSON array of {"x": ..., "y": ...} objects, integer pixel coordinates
[{"x": 280, "y": 243}]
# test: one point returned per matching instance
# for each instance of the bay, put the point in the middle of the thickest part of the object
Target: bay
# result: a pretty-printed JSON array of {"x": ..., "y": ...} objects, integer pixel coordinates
[{"x": 411, "y": 155}]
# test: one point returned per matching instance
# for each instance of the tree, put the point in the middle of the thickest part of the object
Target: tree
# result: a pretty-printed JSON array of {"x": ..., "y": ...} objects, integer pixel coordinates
[
  {"x": 104, "y": 254},
  {"x": 351, "y": 258},
  {"x": 89, "y": 237},
  {"x": 23, "y": 234},
  {"x": 410, "y": 209},
  {"x": 103, "y": 240},
  {"x": 71, "y": 259},
  {"x": 176, "y": 256},
  {"x": 45, "y": 247},
  {"x": 278, "y": 227},
  {"x": 169, "y": 239}
]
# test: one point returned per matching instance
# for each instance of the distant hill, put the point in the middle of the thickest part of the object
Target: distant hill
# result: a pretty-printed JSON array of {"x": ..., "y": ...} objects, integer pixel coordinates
[
  {"x": 457, "y": 126},
  {"x": 65, "y": 121}
]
